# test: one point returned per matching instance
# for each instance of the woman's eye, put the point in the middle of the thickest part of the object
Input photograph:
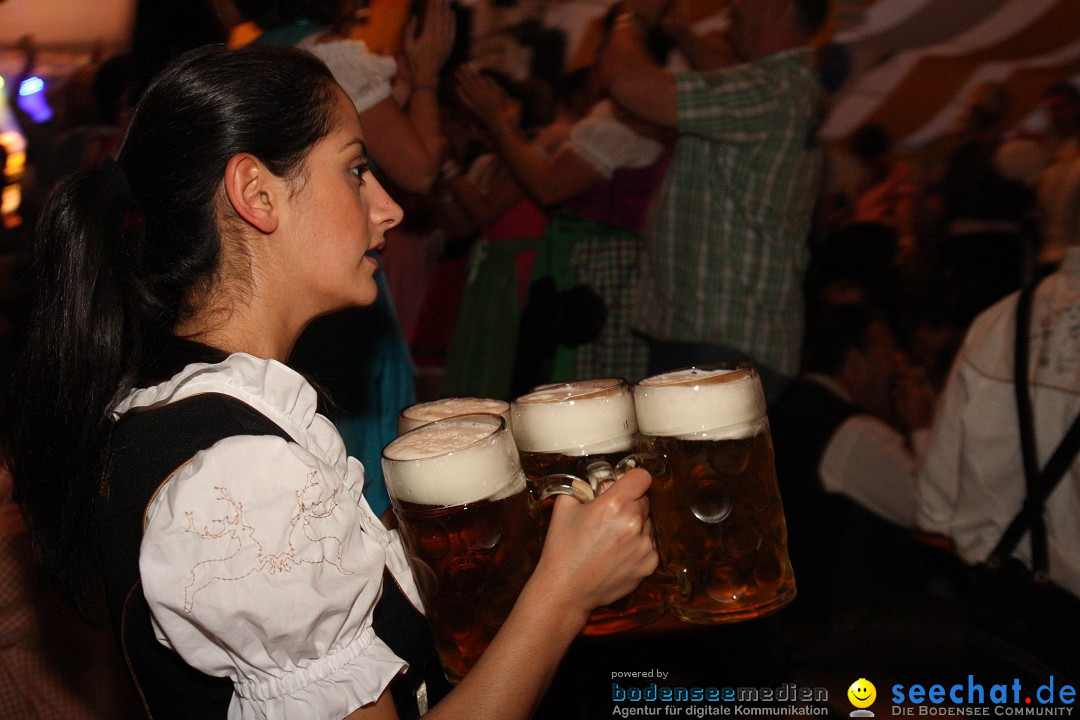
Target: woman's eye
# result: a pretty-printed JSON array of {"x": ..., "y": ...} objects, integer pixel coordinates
[{"x": 359, "y": 170}]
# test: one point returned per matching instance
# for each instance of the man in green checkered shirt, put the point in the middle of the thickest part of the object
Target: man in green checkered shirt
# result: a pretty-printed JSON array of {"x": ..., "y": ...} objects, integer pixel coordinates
[{"x": 725, "y": 250}]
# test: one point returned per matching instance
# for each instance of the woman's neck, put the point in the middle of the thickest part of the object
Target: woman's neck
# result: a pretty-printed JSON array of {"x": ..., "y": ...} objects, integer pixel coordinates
[
  {"x": 249, "y": 343},
  {"x": 242, "y": 328}
]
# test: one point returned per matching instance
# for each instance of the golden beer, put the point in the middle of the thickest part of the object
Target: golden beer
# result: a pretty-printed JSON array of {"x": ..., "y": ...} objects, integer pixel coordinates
[
  {"x": 719, "y": 521},
  {"x": 461, "y": 501},
  {"x": 422, "y": 413},
  {"x": 565, "y": 429}
]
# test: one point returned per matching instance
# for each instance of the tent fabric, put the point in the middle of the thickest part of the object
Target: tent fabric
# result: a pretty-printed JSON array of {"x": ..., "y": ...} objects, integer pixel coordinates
[
  {"x": 1025, "y": 80},
  {"x": 918, "y": 93}
]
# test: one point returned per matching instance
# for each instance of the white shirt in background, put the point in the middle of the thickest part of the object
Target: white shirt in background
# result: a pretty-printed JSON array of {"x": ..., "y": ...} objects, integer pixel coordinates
[{"x": 971, "y": 484}]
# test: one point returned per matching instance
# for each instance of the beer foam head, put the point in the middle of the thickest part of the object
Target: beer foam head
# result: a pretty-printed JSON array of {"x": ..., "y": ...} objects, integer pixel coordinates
[
  {"x": 578, "y": 418},
  {"x": 701, "y": 404},
  {"x": 452, "y": 462},
  {"x": 422, "y": 413}
]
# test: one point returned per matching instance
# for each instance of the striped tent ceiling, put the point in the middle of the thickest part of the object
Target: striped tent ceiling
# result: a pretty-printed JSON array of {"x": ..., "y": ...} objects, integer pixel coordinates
[{"x": 911, "y": 63}]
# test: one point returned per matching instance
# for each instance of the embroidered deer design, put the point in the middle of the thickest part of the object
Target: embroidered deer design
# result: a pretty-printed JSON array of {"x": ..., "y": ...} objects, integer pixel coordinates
[{"x": 242, "y": 553}]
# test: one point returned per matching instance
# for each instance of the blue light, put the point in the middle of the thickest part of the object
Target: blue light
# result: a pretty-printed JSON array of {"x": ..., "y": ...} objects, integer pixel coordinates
[
  {"x": 31, "y": 85},
  {"x": 32, "y": 99}
]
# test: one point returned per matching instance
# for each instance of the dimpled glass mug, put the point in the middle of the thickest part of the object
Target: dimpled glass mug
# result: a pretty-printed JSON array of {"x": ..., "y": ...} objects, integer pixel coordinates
[
  {"x": 469, "y": 527},
  {"x": 716, "y": 509},
  {"x": 582, "y": 429}
]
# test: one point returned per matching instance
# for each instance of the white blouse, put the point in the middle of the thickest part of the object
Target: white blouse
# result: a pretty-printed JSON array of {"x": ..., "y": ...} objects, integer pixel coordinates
[
  {"x": 363, "y": 75},
  {"x": 261, "y": 561},
  {"x": 609, "y": 145}
]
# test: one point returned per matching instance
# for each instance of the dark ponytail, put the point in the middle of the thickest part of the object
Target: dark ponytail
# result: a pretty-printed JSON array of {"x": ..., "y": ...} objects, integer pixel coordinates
[{"x": 123, "y": 253}]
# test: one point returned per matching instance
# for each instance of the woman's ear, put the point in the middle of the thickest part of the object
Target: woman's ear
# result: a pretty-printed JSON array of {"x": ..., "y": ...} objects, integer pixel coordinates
[{"x": 253, "y": 191}]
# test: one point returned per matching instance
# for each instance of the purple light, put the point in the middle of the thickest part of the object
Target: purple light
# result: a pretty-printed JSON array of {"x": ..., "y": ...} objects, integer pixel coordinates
[{"x": 32, "y": 99}]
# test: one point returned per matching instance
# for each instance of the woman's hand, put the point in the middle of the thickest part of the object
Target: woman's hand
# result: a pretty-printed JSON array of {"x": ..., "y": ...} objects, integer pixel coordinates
[
  {"x": 482, "y": 97},
  {"x": 427, "y": 50},
  {"x": 598, "y": 552}
]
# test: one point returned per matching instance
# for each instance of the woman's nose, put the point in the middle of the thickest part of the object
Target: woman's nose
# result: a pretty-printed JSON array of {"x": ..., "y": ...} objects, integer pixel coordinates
[{"x": 385, "y": 212}]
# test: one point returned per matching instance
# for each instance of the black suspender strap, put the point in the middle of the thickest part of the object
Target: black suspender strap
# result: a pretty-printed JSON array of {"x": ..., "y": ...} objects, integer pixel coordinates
[
  {"x": 1033, "y": 508},
  {"x": 1039, "y": 483}
]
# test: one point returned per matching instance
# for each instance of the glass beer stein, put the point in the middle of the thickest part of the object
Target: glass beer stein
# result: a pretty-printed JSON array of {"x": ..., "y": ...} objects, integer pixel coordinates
[
  {"x": 464, "y": 515},
  {"x": 422, "y": 413},
  {"x": 582, "y": 429},
  {"x": 716, "y": 510}
]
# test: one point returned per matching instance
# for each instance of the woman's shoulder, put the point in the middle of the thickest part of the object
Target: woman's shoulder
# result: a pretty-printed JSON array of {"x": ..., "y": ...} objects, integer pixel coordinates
[
  {"x": 255, "y": 517},
  {"x": 266, "y": 385}
]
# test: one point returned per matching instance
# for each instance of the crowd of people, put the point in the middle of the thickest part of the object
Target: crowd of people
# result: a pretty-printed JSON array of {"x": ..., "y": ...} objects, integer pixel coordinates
[{"x": 665, "y": 204}]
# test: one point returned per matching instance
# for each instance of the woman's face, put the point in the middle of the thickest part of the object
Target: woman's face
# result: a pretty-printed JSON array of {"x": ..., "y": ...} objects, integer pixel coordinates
[{"x": 338, "y": 213}]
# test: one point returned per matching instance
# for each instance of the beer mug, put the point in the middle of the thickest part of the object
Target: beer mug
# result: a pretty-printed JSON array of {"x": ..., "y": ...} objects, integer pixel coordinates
[
  {"x": 582, "y": 429},
  {"x": 716, "y": 510},
  {"x": 422, "y": 413},
  {"x": 464, "y": 516}
]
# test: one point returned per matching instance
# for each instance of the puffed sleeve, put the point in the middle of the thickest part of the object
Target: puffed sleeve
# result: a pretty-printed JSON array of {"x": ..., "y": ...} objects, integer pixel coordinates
[
  {"x": 609, "y": 145},
  {"x": 256, "y": 566},
  {"x": 363, "y": 75}
]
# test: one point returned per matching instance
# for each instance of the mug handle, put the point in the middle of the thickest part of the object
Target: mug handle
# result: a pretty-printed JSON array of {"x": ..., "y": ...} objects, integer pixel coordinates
[
  {"x": 652, "y": 462},
  {"x": 597, "y": 474},
  {"x": 601, "y": 472},
  {"x": 563, "y": 484}
]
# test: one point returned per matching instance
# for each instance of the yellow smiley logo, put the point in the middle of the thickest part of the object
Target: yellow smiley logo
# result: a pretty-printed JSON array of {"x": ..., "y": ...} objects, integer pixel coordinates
[{"x": 862, "y": 693}]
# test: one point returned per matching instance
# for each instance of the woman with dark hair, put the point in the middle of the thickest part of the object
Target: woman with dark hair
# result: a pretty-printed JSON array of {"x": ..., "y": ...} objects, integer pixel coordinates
[{"x": 159, "y": 442}]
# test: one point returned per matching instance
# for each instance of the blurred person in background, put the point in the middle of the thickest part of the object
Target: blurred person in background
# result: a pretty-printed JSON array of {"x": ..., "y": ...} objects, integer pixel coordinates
[
  {"x": 599, "y": 184},
  {"x": 973, "y": 481},
  {"x": 1061, "y": 103},
  {"x": 472, "y": 311},
  {"x": 983, "y": 250},
  {"x": 848, "y": 435},
  {"x": 725, "y": 245}
]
